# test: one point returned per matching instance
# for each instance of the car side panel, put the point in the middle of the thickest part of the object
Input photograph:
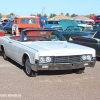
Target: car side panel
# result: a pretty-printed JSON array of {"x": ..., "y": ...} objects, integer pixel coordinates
[
  {"x": 6, "y": 42},
  {"x": 90, "y": 43},
  {"x": 16, "y": 49},
  {"x": 19, "y": 49}
]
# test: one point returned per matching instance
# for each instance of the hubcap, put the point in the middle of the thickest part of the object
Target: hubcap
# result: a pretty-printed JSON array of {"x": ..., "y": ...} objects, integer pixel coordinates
[
  {"x": 28, "y": 67},
  {"x": 4, "y": 55}
]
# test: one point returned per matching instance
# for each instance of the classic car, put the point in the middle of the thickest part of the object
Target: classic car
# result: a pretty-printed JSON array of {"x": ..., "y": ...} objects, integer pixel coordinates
[
  {"x": 69, "y": 35},
  {"x": 71, "y": 29},
  {"x": 52, "y": 24},
  {"x": 92, "y": 40},
  {"x": 46, "y": 49},
  {"x": 23, "y": 22},
  {"x": 65, "y": 23},
  {"x": 2, "y": 32}
]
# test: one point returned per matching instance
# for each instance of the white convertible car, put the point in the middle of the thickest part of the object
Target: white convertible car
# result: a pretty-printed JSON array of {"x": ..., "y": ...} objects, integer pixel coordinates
[{"x": 46, "y": 49}]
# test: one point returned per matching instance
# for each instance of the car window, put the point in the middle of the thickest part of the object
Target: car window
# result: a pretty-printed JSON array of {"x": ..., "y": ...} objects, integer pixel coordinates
[
  {"x": 28, "y": 21},
  {"x": 46, "y": 35},
  {"x": 50, "y": 22},
  {"x": 53, "y": 22}
]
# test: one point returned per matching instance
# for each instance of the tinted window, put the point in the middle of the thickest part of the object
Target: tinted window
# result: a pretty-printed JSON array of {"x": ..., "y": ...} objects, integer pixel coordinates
[
  {"x": 98, "y": 18},
  {"x": 53, "y": 22},
  {"x": 50, "y": 22},
  {"x": 97, "y": 35},
  {"x": 28, "y": 21},
  {"x": 83, "y": 22},
  {"x": 56, "y": 22}
]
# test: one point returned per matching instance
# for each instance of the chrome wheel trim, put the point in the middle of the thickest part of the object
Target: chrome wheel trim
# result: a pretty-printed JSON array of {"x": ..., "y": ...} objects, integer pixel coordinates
[
  {"x": 28, "y": 67},
  {"x": 4, "y": 55}
]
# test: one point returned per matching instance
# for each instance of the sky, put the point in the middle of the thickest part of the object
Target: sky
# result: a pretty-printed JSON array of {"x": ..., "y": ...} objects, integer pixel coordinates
[{"x": 27, "y": 7}]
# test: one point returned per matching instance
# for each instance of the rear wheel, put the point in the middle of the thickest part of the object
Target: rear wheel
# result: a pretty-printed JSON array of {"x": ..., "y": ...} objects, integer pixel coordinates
[
  {"x": 79, "y": 71},
  {"x": 28, "y": 69}
]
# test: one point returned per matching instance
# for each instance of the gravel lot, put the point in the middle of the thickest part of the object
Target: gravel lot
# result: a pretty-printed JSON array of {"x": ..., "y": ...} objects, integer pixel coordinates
[{"x": 48, "y": 85}]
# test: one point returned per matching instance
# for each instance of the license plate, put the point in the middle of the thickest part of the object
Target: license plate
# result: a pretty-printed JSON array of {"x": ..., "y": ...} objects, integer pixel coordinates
[{"x": 45, "y": 66}]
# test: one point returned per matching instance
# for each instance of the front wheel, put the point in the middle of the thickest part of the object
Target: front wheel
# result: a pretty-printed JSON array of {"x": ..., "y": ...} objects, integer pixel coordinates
[
  {"x": 29, "y": 72},
  {"x": 79, "y": 71},
  {"x": 4, "y": 55}
]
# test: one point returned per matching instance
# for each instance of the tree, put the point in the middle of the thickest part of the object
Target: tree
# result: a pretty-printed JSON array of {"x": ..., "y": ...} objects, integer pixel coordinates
[
  {"x": 32, "y": 15},
  {"x": 12, "y": 14},
  {"x": 90, "y": 15},
  {"x": 73, "y": 15},
  {"x": 52, "y": 15},
  {"x": 45, "y": 15},
  {"x": 61, "y": 13},
  {"x": 39, "y": 15},
  {"x": 0, "y": 15},
  {"x": 8, "y": 16},
  {"x": 67, "y": 14}
]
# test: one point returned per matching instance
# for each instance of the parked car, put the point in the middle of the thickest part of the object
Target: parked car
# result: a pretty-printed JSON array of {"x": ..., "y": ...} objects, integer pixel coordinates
[
  {"x": 75, "y": 26},
  {"x": 84, "y": 25},
  {"x": 69, "y": 35},
  {"x": 23, "y": 22},
  {"x": 2, "y": 32},
  {"x": 46, "y": 49},
  {"x": 92, "y": 40},
  {"x": 53, "y": 24},
  {"x": 8, "y": 26},
  {"x": 71, "y": 29}
]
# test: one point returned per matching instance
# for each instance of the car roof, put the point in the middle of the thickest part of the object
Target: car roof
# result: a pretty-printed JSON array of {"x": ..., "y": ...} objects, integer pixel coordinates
[{"x": 26, "y": 17}]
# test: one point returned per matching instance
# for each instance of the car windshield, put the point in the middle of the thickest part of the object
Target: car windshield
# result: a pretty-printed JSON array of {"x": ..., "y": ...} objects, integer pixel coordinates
[
  {"x": 83, "y": 22},
  {"x": 97, "y": 35},
  {"x": 43, "y": 35}
]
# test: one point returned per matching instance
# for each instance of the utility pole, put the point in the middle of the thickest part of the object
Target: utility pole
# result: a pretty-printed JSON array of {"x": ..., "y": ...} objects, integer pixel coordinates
[{"x": 43, "y": 11}]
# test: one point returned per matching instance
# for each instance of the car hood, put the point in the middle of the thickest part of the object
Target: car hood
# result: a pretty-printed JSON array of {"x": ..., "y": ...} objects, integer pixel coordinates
[
  {"x": 85, "y": 25},
  {"x": 67, "y": 23},
  {"x": 59, "y": 48}
]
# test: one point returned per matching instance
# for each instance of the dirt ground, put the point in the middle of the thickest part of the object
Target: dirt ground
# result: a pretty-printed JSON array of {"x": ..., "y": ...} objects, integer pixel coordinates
[{"x": 48, "y": 85}]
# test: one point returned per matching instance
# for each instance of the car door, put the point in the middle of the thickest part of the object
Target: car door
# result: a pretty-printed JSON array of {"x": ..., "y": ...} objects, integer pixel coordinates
[
  {"x": 89, "y": 42},
  {"x": 17, "y": 51},
  {"x": 94, "y": 44},
  {"x": 7, "y": 46},
  {"x": 98, "y": 49},
  {"x": 14, "y": 50},
  {"x": 97, "y": 36}
]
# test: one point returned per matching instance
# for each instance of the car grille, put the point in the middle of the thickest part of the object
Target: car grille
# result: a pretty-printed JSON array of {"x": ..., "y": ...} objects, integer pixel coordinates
[
  {"x": 88, "y": 28},
  {"x": 67, "y": 59}
]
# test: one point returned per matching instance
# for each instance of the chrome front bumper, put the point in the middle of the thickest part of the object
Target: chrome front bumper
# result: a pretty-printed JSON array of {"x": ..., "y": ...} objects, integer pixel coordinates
[{"x": 65, "y": 66}]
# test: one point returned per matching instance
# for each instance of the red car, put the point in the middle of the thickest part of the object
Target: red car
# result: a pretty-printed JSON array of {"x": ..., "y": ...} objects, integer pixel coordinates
[
  {"x": 96, "y": 18},
  {"x": 2, "y": 32}
]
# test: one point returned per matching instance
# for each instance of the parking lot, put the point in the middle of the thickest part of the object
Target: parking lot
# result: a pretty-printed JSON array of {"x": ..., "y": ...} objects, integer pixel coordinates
[{"x": 48, "y": 85}]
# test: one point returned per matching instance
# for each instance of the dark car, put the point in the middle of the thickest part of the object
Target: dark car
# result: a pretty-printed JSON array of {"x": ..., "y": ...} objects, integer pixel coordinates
[
  {"x": 69, "y": 35},
  {"x": 92, "y": 40}
]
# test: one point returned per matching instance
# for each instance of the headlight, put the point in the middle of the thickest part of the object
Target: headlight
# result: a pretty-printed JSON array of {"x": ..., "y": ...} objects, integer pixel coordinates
[
  {"x": 42, "y": 60},
  {"x": 89, "y": 57},
  {"x": 84, "y": 57},
  {"x": 48, "y": 59},
  {"x": 45, "y": 59}
]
